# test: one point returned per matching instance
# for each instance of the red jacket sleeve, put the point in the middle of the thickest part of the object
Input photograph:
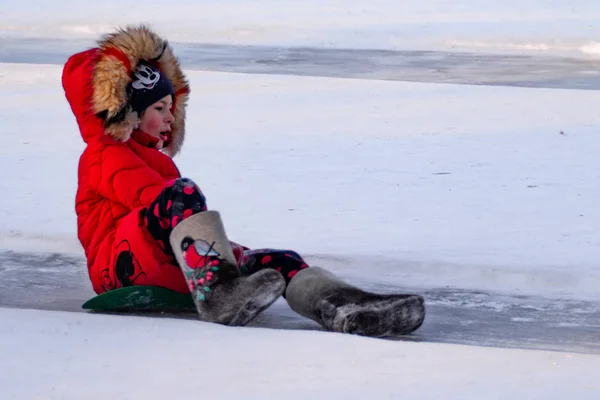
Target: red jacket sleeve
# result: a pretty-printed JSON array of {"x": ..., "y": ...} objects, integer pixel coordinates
[{"x": 121, "y": 176}]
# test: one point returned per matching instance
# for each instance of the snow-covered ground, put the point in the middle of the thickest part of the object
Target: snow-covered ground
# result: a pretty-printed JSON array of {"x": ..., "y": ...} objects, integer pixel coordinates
[
  {"x": 59, "y": 355},
  {"x": 531, "y": 26}
]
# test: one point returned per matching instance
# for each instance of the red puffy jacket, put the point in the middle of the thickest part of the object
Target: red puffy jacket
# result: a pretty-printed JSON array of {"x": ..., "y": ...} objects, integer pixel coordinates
[{"x": 120, "y": 172}]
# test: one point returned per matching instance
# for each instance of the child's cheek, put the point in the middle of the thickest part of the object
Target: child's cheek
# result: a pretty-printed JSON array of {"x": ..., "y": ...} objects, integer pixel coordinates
[
  {"x": 154, "y": 125},
  {"x": 151, "y": 126}
]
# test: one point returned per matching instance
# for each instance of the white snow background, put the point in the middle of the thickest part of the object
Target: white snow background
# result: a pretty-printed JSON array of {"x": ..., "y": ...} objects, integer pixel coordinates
[
  {"x": 419, "y": 185},
  {"x": 524, "y": 26}
]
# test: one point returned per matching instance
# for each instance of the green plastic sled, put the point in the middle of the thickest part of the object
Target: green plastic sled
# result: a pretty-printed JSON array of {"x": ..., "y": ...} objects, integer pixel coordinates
[{"x": 141, "y": 298}]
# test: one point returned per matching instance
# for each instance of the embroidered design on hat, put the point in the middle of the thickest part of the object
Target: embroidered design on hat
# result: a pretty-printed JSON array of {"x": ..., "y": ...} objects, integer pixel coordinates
[{"x": 146, "y": 77}]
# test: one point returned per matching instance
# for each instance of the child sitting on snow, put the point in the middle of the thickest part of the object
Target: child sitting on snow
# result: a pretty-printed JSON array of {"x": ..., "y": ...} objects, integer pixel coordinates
[{"x": 141, "y": 223}]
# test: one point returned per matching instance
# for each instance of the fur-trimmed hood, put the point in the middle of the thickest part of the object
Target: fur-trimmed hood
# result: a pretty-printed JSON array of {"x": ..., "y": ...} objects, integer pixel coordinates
[{"x": 96, "y": 80}]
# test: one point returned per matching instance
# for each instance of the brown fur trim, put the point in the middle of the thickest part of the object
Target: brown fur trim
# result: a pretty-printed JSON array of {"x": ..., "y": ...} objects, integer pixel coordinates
[
  {"x": 121, "y": 129},
  {"x": 112, "y": 75}
]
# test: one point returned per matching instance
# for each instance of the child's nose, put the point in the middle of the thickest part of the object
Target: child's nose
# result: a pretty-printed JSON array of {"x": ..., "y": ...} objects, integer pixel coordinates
[{"x": 170, "y": 118}]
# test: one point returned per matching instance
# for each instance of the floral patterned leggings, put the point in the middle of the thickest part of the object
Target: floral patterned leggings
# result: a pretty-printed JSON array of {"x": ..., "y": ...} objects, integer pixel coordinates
[{"x": 183, "y": 199}]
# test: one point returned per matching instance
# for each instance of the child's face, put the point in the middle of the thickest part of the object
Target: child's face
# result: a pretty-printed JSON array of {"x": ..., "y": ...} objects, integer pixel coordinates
[{"x": 156, "y": 120}]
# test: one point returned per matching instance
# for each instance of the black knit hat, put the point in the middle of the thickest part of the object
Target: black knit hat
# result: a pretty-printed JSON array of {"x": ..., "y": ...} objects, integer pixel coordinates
[{"x": 147, "y": 87}]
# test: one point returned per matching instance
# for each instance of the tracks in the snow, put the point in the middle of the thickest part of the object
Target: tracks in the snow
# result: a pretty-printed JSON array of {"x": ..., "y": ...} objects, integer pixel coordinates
[{"x": 59, "y": 282}]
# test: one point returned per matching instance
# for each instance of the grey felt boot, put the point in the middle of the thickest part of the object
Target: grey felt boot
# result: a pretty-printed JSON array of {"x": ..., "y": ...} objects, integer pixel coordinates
[
  {"x": 319, "y": 295},
  {"x": 221, "y": 295}
]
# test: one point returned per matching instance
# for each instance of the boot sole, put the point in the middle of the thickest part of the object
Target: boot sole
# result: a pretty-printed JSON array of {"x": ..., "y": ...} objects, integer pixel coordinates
[
  {"x": 378, "y": 315},
  {"x": 271, "y": 287}
]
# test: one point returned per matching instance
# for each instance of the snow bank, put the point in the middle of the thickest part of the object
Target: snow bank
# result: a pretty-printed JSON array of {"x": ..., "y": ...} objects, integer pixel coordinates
[{"x": 60, "y": 355}]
